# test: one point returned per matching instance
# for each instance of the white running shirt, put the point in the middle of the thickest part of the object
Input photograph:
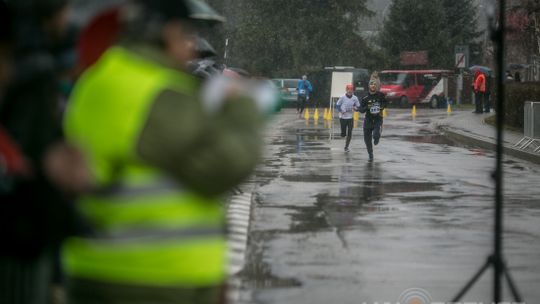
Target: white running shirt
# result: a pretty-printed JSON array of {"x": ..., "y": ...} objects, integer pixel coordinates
[{"x": 346, "y": 106}]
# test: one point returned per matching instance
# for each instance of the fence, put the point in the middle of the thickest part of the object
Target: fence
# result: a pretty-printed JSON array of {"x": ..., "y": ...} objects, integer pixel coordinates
[{"x": 531, "y": 128}]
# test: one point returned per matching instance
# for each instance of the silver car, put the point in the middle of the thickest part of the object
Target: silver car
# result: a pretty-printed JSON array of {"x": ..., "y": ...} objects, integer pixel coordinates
[{"x": 287, "y": 89}]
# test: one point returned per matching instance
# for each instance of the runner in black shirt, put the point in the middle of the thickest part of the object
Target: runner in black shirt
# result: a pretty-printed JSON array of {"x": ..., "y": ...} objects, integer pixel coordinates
[{"x": 373, "y": 105}]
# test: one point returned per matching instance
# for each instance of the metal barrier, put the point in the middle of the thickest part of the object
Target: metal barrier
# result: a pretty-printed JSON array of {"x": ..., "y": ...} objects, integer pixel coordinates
[{"x": 531, "y": 129}]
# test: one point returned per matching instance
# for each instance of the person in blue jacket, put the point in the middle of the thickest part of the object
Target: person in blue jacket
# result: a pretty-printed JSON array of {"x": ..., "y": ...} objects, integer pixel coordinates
[{"x": 304, "y": 89}]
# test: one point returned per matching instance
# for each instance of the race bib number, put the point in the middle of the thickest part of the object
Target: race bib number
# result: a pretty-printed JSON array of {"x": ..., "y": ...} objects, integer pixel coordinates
[
  {"x": 347, "y": 108},
  {"x": 303, "y": 92},
  {"x": 375, "y": 109}
]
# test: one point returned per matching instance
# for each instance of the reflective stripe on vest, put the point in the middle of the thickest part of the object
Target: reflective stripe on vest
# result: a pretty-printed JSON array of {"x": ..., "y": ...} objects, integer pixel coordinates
[
  {"x": 157, "y": 263},
  {"x": 134, "y": 191},
  {"x": 148, "y": 230}
]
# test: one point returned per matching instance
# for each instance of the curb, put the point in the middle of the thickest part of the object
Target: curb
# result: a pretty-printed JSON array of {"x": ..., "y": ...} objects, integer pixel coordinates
[
  {"x": 481, "y": 142},
  {"x": 239, "y": 212},
  {"x": 238, "y": 219}
]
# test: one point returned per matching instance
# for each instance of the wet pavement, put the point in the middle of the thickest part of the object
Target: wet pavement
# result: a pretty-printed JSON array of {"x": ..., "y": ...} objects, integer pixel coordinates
[{"x": 331, "y": 227}]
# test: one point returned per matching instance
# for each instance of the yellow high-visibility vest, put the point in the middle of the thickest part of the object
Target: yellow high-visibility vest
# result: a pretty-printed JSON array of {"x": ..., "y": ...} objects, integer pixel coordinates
[{"x": 148, "y": 230}]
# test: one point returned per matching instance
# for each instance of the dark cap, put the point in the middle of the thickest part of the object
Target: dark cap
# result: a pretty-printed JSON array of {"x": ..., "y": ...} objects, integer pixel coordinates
[{"x": 182, "y": 9}]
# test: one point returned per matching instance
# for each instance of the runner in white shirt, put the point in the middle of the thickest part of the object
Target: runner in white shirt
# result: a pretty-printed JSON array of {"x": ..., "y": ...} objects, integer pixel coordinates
[{"x": 346, "y": 106}]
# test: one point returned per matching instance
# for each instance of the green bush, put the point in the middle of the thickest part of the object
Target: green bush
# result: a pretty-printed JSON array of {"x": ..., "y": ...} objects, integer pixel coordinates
[{"x": 517, "y": 93}]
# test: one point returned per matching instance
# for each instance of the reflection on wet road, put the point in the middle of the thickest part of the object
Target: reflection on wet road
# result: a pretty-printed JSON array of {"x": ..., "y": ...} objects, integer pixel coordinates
[{"x": 330, "y": 227}]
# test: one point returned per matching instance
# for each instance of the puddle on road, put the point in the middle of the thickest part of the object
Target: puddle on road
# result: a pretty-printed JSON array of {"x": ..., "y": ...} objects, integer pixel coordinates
[
  {"x": 307, "y": 219},
  {"x": 310, "y": 178},
  {"x": 302, "y": 143},
  {"x": 346, "y": 209},
  {"x": 257, "y": 273},
  {"x": 404, "y": 187},
  {"x": 514, "y": 165},
  {"x": 264, "y": 177},
  {"x": 435, "y": 139}
]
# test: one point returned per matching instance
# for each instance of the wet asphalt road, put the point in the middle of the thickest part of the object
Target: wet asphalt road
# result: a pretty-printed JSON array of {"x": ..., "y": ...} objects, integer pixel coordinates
[{"x": 330, "y": 227}]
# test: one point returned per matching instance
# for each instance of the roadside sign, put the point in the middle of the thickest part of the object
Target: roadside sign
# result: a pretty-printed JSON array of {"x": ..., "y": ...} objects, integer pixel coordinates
[
  {"x": 461, "y": 56},
  {"x": 460, "y": 61},
  {"x": 339, "y": 81},
  {"x": 413, "y": 58}
]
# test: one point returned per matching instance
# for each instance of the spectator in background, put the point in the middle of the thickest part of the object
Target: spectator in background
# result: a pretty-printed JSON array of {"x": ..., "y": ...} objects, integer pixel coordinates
[
  {"x": 97, "y": 36},
  {"x": 487, "y": 97},
  {"x": 479, "y": 88},
  {"x": 509, "y": 76},
  {"x": 517, "y": 76},
  {"x": 34, "y": 214},
  {"x": 6, "y": 45},
  {"x": 304, "y": 90}
]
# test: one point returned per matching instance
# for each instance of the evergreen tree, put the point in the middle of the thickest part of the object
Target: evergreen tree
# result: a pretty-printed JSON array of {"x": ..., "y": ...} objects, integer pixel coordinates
[
  {"x": 461, "y": 20},
  {"x": 432, "y": 25},
  {"x": 292, "y": 37}
]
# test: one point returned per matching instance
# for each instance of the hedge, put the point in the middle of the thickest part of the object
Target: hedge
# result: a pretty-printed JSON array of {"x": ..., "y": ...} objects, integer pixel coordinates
[{"x": 517, "y": 93}]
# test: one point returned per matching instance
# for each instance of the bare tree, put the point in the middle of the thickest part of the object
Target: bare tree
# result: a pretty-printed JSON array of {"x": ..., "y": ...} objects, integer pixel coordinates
[{"x": 533, "y": 7}]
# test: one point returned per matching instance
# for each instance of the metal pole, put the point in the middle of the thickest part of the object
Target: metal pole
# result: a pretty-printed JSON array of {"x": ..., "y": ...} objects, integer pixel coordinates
[
  {"x": 498, "y": 263},
  {"x": 496, "y": 259},
  {"x": 459, "y": 84},
  {"x": 225, "y": 53}
]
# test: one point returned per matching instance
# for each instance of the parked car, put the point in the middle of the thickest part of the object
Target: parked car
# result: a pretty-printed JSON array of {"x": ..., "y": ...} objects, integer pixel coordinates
[
  {"x": 287, "y": 89},
  {"x": 407, "y": 87}
]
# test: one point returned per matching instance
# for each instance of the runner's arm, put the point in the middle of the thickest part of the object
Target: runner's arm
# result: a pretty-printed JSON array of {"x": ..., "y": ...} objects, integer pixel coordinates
[{"x": 363, "y": 106}]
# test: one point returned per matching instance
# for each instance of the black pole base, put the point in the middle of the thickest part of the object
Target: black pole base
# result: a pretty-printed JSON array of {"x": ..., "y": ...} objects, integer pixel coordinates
[{"x": 491, "y": 261}]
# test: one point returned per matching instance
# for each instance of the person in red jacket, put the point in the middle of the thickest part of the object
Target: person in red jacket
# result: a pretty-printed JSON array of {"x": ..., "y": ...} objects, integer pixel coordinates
[{"x": 479, "y": 87}]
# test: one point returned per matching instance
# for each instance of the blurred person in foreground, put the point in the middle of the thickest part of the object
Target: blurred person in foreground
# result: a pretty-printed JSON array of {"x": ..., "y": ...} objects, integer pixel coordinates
[
  {"x": 161, "y": 156},
  {"x": 373, "y": 105},
  {"x": 35, "y": 214},
  {"x": 6, "y": 45}
]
